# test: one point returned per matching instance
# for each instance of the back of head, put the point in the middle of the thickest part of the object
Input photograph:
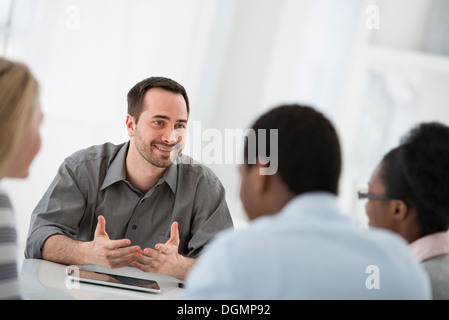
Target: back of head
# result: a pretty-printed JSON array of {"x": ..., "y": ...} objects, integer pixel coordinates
[
  {"x": 309, "y": 157},
  {"x": 418, "y": 172},
  {"x": 19, "y": 93},
  {"x": 426, "y": 152}
]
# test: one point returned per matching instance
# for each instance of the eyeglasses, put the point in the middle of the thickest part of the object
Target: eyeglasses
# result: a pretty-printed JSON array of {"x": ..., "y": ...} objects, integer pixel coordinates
[{"x": 363, "y": 194}]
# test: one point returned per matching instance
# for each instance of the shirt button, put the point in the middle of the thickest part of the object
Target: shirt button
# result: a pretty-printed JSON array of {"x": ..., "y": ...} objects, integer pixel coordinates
[{"x": 134, "y": 227}]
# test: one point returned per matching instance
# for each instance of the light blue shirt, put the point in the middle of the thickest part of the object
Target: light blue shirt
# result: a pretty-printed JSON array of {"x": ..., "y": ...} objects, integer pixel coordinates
[{"x": 310, "y": 250}]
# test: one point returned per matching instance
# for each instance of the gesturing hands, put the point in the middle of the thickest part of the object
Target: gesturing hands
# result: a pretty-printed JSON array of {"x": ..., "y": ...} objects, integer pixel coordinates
[
  {"x": 112, "y": 253},
  {"x": 117, "y": 253},
  {"x": 165, "y": 259}
]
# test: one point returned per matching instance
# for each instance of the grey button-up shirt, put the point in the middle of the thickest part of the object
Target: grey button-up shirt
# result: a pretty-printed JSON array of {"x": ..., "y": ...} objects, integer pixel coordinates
[{"x": 92, "y": 182}]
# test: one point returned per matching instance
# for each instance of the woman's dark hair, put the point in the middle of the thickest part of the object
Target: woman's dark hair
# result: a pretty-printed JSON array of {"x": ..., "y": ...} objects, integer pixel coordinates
[
  {"x": 137, "y": 93},
  {"x": 417, "y": 172},
  {"x": 308, "y": 148}
]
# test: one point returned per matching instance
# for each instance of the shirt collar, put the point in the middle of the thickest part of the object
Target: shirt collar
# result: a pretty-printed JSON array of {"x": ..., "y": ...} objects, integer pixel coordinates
[
  {"x": 313, "y": 205},
  {"x": 170, "y": 176},
  {"x": 117, "y": 171},
  {"x": 431, "y": 245}
]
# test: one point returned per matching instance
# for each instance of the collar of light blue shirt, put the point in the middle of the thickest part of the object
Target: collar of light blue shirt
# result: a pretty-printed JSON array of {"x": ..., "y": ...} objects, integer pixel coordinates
[{"x": 313, "y": 204}]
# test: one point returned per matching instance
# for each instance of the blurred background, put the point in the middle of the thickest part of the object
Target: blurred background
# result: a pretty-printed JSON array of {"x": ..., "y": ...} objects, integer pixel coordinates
[{"x": 374, "y": 68}]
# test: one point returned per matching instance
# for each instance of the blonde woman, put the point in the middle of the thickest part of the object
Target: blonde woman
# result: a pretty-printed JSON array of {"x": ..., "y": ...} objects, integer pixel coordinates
[{"x": 20, "y": 118}]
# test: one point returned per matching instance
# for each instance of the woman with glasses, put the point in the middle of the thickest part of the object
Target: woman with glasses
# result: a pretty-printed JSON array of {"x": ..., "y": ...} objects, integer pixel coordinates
[
  {"x": 409, "y": 194},
  {"x": 20, "y": 118}
]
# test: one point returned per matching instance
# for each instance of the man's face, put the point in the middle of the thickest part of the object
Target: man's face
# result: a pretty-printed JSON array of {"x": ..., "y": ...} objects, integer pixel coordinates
[{"x": 159, "y": 135}]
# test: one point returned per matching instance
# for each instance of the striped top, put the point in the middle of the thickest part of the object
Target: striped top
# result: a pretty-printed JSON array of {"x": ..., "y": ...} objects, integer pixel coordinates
[{"x": 9, "y": 283}]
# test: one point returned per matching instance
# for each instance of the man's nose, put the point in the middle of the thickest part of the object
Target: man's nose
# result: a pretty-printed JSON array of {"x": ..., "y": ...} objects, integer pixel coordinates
[{"x": 171, "y": 136}]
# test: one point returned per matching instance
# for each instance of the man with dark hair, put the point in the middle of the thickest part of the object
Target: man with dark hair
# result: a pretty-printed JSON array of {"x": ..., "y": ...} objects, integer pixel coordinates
[
  {"x": 299, "y": 245},
  {"x": 137, "y": 93},
  {"x": 160, "y": 210}
]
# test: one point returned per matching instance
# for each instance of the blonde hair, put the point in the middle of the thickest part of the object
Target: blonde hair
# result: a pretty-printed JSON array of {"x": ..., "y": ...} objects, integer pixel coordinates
[{"x": 19, "y": 102}]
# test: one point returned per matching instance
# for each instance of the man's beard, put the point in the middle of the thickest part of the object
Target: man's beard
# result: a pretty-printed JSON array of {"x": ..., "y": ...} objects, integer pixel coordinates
[{"x": 159, "y": 160}]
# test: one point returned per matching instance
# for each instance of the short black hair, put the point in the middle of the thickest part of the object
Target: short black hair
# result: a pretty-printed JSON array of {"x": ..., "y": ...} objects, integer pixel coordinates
[
  {"x": 137, "y": 93},
  {"x": 309, "y": 156},
  {"x": 417, "y": 172}
]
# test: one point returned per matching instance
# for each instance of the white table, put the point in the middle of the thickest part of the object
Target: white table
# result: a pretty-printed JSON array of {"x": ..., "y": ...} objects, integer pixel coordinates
[{"x": 45, "y": 280}]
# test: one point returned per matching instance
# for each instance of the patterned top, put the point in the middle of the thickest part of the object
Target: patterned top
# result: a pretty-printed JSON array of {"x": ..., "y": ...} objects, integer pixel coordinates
[{"x": 9, "y": 283}]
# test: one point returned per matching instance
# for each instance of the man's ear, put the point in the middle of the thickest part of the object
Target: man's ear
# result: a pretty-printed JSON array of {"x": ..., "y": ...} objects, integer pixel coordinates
[
  {"x": 130, "y": 125},
  {"x": 400, "y": 210},
  {"x": 262, "y": 181}
]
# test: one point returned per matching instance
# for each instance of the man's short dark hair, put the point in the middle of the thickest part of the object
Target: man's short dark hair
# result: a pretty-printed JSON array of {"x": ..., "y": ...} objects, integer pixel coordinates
[
  {"x": 137, "y": 93},
  {"x": 309, "y": 156}
]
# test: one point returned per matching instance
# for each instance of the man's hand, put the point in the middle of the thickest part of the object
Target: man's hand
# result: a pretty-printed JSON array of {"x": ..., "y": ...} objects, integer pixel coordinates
[
  {"x": 111, "y": 253},
  {"x": 165, "y": 259}
]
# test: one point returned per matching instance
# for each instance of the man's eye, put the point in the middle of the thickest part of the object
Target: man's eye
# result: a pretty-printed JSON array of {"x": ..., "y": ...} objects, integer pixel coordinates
[
  {"x": 157, "y": 122},
  {"x": 180, "y": 126}
]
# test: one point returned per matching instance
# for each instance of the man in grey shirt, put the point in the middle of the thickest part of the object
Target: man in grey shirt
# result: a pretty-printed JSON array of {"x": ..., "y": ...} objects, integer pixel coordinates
[{"x": 161, "y": 209}]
